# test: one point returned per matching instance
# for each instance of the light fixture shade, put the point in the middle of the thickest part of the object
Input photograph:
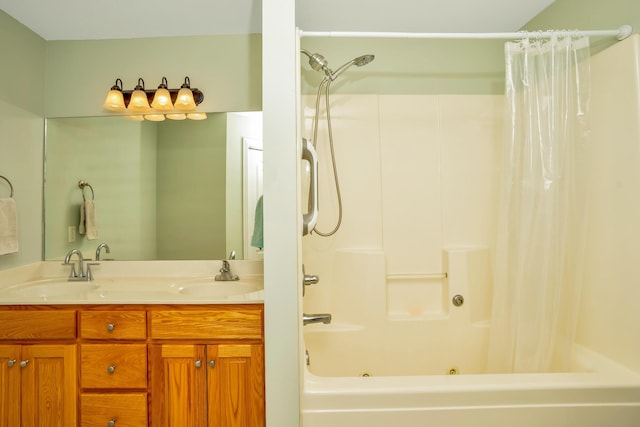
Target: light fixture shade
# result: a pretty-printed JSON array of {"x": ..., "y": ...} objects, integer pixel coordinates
[
  {"x": 139, "y": 102},
  {"x": 154, "y": 117},
  {"x": 185, "y": 101},
  {"x": 162, "y": 97},
  {"x": 134, "y": 118},
  {"x": 197, "y": 116},
  {"x": 115, "y": 98},
  {"x": 176, "y": 116}
]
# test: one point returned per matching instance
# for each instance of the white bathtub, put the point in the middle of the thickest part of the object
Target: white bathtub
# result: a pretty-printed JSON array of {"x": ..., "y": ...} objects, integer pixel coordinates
[{"x": 598, "y": 392}]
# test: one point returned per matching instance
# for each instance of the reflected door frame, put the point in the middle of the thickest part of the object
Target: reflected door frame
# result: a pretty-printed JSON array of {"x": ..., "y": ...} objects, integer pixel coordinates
[{"x": 252, "y": 166}]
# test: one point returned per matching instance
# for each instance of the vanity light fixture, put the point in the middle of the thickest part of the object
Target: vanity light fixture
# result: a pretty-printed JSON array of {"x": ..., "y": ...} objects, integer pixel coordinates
[{"x": 156, "y": 105}]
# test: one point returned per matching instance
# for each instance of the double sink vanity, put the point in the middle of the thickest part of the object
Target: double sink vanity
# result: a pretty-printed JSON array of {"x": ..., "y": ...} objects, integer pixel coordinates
[{"x": 158, "y": 343}]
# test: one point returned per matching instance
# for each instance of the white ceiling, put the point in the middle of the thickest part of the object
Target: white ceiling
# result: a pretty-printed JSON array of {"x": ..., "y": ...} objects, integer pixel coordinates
[{"x": 108, "y": 19}]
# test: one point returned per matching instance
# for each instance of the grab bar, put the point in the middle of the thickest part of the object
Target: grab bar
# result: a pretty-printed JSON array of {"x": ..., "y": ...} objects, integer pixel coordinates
[{"x": 310, "y": 218}]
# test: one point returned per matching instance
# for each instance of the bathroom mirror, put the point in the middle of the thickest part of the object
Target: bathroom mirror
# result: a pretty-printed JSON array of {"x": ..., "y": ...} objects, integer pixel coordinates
[{"x": 162, "y": 190}]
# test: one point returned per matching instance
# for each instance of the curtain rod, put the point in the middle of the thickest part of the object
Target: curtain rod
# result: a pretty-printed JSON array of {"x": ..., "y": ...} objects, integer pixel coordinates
[{"x": 620, "y": 33}]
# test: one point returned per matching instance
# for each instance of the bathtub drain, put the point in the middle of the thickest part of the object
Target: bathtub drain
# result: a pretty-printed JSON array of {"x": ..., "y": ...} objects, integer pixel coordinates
[
  {"x": 453, "y": 370},
  {"x": 365, "y": 374}
]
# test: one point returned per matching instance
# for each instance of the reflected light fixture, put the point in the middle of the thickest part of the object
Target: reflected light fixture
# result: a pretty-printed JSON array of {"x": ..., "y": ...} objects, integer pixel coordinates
[{"x": 155, "y": 105}]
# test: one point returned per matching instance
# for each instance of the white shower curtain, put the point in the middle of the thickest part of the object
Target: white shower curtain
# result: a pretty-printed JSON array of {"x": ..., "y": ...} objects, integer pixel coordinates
[{"x": 542, "y": 221}]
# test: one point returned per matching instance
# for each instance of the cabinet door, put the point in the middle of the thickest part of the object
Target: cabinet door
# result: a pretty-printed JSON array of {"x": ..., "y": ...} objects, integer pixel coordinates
[
  {"x": 49, "y": 386},
  {"x": 178, "y": 385},
  {"x": 235, "y": 385},
  {"x": 9, "y": 385}
]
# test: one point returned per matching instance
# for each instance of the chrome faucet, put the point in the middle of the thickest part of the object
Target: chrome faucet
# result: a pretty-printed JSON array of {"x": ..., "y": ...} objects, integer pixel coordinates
[
  {"x": 81, "y": 275},
  {"x": 316, "y": 318},
  {"x": 99, "y": 249},
  {"x": 225, "y": 272}
]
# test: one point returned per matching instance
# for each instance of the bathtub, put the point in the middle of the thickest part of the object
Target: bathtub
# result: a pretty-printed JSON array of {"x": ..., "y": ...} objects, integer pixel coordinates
[
  {"x": 400, "y": 353},
  {"x": 345, "y": 389}
]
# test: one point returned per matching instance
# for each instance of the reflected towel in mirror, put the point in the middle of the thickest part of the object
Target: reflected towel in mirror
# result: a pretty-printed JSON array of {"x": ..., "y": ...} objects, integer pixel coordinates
[
  {"x": 257, "y": 240},
  {"x": 8, "y": 226},
  {"x": 88, "y": 225}
]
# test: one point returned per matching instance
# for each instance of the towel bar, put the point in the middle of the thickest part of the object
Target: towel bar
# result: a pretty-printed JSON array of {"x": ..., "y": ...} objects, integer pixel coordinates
[{"x": 10, "y": 185}]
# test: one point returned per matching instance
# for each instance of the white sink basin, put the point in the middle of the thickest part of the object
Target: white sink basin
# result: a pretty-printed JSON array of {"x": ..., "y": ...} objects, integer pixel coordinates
[
  {"x": 208, "y": 287},
  {"x": 138, "y": 289},
  {"x": 47, "y": 289}
]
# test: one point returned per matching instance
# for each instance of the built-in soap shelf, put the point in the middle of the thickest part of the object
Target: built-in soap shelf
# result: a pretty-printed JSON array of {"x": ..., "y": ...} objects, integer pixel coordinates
[{"x": 462, "y": 289}]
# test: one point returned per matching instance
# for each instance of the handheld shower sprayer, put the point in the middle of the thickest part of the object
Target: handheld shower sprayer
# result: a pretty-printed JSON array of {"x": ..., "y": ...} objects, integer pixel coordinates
[{"x": 319, "y": 63}]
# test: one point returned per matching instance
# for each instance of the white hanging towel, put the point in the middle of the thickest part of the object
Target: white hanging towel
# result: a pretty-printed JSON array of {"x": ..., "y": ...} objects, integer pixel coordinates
[
  {"x": 8, "y": 226},
  {"x": 88, "y": 224}
]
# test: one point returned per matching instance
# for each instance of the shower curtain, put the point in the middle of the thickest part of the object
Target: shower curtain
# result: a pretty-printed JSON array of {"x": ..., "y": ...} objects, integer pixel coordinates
[{"x": 542, "y": 213}]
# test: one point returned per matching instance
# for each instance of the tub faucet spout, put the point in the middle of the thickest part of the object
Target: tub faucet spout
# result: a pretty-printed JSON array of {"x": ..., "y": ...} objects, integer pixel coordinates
[{"x": 316, "y": 318}]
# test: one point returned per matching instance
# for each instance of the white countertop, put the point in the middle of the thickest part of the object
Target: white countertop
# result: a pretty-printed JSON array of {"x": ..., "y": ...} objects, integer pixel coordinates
[{"x": 133, "y": 282}]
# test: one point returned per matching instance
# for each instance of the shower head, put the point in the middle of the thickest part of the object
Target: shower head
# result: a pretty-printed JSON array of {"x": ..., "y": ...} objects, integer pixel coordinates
[
  {"x": 358, "y": 62},
  {"x": 319, "y": 63}
]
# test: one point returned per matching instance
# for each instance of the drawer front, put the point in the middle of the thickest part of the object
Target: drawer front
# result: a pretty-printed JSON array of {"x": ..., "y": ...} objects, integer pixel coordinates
[
  {"x": 223, "y": 323},
  {"x": 118, "y": 366},
  {"x": 127, "y": 409},
  {"x": 130, "y": 325},
  {"x": 37, "y": 324}
]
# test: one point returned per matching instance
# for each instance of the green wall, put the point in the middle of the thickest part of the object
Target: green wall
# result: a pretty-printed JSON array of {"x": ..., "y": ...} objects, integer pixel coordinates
[
  {"x": 589, "y": 15},
  {"x": 22, "y": 76},
  {"x": 409, "y": 66},
  {"x": 420, "y": 66},
  {"x": 227, "y": 69}
]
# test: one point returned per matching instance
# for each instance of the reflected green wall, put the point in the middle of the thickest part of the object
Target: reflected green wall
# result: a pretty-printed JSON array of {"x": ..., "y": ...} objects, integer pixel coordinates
[
  {"x": 191, "y": 189},
  {"x": 118, "y": 158}
]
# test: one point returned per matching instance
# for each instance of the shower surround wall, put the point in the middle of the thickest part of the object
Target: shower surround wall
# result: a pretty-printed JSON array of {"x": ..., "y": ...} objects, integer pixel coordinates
[{"x": 418, "y": 175}]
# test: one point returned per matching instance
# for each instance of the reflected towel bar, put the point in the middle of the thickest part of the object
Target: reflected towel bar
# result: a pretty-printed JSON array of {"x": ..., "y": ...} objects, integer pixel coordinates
[
  {"x": 82, "y": 184},
  {"x": 10, "y": 185}
]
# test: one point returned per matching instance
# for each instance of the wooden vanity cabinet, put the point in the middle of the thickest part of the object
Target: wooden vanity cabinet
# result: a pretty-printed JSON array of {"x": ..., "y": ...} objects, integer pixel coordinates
[
  {"x": 132, "y": 366},
  {"x": 38, "y": 384},
  {"x": 113, "y": 367},
  {"x": 217, "y": 382}
]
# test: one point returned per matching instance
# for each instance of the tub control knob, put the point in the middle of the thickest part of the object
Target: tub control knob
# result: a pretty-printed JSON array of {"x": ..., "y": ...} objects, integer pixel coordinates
[
  {"x": 457, "y": 300},
  {"x": 308, "y": 279}
]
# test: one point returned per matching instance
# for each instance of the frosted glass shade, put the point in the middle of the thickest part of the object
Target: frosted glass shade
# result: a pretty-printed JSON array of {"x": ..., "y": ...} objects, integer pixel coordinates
[
  {"x": 197, "y": 116},
  {"x": 139, "y": 102},
  {"x": 114, "y": 101},
  {"x": 185, "y": 101},
  {"x": 154, "y": 117},
  {"x": 176, "y": 116},
  {"x": 134, "y": 118},
  {"x": 162, "y": 100}
]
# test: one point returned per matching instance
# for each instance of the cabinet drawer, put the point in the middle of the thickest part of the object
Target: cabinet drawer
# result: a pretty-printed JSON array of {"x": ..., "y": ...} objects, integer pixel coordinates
[
  {"x": 113, "y": 366},
  {"x": 37, "y": 324},
  {"x": 214, "y": 323},
  {"x": 128, "y": 409},
  {"x": 113, "y": 324}
]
